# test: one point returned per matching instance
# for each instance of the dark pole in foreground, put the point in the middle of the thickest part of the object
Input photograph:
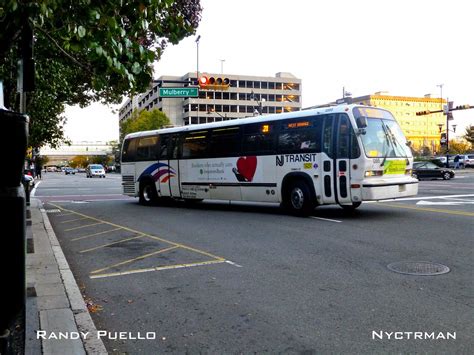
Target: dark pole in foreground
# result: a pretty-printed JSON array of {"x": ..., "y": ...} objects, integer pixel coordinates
[{"x": 12, "y": 196}]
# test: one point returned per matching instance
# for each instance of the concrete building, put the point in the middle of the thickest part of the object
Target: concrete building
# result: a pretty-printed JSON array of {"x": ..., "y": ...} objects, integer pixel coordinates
[
  {"x": 246, "y": 96},
  {"x": 421, "y": 131}
]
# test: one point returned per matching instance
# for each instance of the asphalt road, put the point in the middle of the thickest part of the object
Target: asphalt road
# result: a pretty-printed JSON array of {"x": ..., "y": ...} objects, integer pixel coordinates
[{"x": 219, "y": 278}]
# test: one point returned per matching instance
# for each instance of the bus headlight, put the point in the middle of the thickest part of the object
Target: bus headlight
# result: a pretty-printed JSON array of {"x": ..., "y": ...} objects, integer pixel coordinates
[
  {"x": 408, "y": 171},
  {"x": 373, "y": 173}
]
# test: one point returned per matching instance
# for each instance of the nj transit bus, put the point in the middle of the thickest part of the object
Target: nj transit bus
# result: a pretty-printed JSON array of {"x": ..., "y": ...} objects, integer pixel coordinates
[{"x": 341, "y": 155}]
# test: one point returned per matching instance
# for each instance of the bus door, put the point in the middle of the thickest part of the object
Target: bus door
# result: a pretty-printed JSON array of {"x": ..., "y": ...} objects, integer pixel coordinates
[
  {"x": 342, "y": 162},
  {"x": 328, "y": 186},
  {"x": 168, "y": 174}
]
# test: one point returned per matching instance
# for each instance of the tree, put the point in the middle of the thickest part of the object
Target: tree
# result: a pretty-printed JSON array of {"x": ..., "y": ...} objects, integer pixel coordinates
[
  {"x": 86, "y": 51},
  {"x": 144, "y": 121},
  {"x": 79, "y": 161},
  {"x": 456, "y": 147},
  {"x": 469, "y": 136}
]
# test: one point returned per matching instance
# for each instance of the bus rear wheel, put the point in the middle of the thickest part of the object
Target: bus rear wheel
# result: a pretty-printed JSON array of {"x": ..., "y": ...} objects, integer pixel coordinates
[
  {"x": 298, "y": 199},
  {"x": 148, "y": 194}
]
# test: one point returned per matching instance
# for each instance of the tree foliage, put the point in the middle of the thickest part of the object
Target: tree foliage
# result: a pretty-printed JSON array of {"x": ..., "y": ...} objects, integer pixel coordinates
[
  {"x": 469, "y": 135},
  {"x": 144, "y": 121},
  {"x": 87, "y": 51},
  {"x": 459, "y": 147}
]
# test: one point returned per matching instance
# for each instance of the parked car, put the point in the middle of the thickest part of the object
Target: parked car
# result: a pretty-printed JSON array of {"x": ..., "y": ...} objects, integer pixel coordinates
[
  {"x": 462, "y": 160},
  {"x": 81, "y": 170},
  {"x": 95, "y": 170},
  {"x": 468, "y": 160},
  {"x": 429, "y": 170},
  {"x": 68, "y": 170}
]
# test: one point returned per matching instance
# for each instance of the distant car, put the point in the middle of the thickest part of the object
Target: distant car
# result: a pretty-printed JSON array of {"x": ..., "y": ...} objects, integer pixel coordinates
[
  {"x": 81, "y": 170},
  {"x": 69, "y": 170},
  {"x": 95, "y": 170},
  {"x": 429, "y": 170}
]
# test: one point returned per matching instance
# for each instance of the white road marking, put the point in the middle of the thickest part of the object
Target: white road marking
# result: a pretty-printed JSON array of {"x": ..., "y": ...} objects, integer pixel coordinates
[
  {"x": 232, "y": 263},
  {"x": 326, "y": 219},
  {"x": 444, "y": 203},
  {"x": 32, "y": 193},
  {"x": 423, "y": 198},
  {"x": 158, "y": 268}
]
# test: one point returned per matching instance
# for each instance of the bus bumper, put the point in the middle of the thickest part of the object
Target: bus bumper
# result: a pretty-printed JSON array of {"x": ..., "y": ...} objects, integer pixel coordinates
[{"x": 385, "y": 190}]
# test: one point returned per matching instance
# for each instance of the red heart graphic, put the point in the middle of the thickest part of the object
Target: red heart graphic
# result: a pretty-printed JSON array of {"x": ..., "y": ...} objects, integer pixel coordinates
[{"x": 247, "y": 166}]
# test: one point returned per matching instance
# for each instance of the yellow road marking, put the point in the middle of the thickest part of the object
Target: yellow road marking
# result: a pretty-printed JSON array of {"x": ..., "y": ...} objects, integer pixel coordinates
[
  {"x": 87, "y": 225},
  {"x": 73, "y": 220},
  {"x": 145, "y": 234},
  {"x": 135, "y": 259},
  {"x": 455, "y": 212},
  {"x": 93, "y": 235},
  {"x": 106, "y": 245},
  {"x": 185, "y": 247},
  {"x": 157, "y": 268}
]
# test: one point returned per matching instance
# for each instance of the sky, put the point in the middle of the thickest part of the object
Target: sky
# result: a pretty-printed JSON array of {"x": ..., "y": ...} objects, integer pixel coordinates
[{"x": 404, "y": 47}]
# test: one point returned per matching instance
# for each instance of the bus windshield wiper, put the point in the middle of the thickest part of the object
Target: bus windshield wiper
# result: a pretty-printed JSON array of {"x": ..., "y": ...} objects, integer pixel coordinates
[
  {"x": 395, "y": 141},
  {"x": 387, "y": 139}
]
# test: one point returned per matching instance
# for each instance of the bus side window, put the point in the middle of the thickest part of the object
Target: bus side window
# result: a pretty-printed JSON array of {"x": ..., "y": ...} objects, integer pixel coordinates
[
  {"x": 225, "y": 142},
  {"x": 194, "y": 145},
  {"x": 355, "y": 150},
  {"x": 147, "y": 148},
  {"x": 343, "y": 137},
  {"x": 259, "y": 139},
  {"x": 129, "y": 149},
  {"x": 302, "y": 135},
  {"x": 327, "y": 135},
  {"x": 164, "y": 142}
]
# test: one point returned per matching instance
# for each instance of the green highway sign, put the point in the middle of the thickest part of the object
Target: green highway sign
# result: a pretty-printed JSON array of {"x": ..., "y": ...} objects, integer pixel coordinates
[{"x": 179, "y": 92}]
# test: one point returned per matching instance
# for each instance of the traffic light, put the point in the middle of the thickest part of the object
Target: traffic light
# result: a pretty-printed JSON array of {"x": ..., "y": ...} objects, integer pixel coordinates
[
  {"x": 214, "y": 83},
  {"x": 422, "y": 113}
]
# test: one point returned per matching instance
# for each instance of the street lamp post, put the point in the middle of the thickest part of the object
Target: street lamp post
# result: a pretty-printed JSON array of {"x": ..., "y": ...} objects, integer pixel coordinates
[{"x": 260, "y": 102}]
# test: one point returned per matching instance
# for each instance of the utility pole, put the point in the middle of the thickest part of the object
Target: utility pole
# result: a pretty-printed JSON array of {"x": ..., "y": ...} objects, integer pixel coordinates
[
  {"x": 197, "y": 74},
  {"x": 222, "y": 65}
]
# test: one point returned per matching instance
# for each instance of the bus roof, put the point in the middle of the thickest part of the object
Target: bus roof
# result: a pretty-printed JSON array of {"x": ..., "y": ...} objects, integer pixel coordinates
[{"x": 249, "y": 120}]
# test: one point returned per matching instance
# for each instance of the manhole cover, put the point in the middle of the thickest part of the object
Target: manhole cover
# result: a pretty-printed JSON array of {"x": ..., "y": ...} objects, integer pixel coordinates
[{"x": 420, "y": 268}]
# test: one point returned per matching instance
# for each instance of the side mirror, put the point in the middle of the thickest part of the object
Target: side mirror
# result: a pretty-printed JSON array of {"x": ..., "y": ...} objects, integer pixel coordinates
[{"x": 361, "y": 122}]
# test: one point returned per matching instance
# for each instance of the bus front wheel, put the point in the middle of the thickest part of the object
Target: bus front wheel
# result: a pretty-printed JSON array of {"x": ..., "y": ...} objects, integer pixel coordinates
[
  {"x": 298, "y": 199},
  {"x": 148, "y": 194}
]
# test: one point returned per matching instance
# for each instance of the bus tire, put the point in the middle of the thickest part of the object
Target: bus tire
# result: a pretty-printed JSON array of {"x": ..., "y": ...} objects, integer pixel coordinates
[
  {"x": 352, "y": 207},
  {"x": 298, "y": 199},
  {"x": 148, "y": 195}
]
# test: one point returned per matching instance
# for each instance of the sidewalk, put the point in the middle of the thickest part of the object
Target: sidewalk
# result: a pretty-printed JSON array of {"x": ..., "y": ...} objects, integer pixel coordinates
[{"x": 54, "y": 306}]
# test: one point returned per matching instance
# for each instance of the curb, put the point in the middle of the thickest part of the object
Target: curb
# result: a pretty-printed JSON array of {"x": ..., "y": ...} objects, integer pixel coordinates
[{"x": 92, "y": 344}]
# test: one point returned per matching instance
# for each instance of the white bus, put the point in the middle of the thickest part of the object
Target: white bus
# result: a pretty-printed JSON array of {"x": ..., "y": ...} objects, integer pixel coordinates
[{"x": 342, "y": 155}]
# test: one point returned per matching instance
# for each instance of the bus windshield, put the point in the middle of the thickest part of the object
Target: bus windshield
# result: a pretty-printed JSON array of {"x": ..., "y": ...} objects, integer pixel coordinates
[{"x": 383, "y": 136}]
